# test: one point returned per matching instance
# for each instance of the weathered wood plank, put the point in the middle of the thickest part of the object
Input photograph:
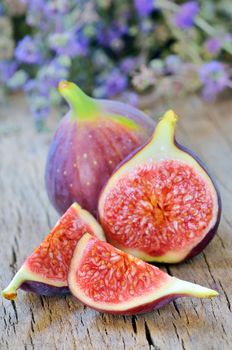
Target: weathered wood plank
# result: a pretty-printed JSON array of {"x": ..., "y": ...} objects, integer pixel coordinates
[{"x": 34, "y": 322}]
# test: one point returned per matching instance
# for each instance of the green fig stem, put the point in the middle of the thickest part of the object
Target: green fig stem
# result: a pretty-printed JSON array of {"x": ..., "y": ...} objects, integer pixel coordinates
[
  {"x": 81, "y": 105},
  {"x": 163, "y": 136},
  {"x": 192, "y": 289},
  {"x": 10, "y": 292}
]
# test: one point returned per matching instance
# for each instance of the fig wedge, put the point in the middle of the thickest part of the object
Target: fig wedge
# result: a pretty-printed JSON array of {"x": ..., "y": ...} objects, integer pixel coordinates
[
  {"x": 45, "y": 271},
  {"x": 109, "y": 280}
]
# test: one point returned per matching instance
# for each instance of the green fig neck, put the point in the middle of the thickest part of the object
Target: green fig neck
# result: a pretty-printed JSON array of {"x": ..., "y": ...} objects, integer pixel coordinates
[
  {"x": 82, "y": 106},
  {"x": 164, "y": 135}
]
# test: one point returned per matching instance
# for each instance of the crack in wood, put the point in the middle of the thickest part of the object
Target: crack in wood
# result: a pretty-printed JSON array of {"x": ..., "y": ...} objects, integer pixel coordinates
[
  {"x": 16, "y": 242},
  {"x": 194, "y": 308},
  {"x": 31, "y": 341},
  {"x": 124, "y": 345},
  {"x": 90, "y": 340},
  {"x": 12, "y": 323},
  {"x": 187, "y": 319},
  {"x": 224, "y": 331},
  {"x": 183, "y": 344},
  {"x": 13, "y": 260},
  {"x": 226, "y": 296},
  {"x": 176, "y": 308},
  {"x": 19, "y": 222},
  {"x": 42, "y": 301},
  {"x": 82, "y": 322},
  {"x": 148, "y": 335},
  {"x": 177, "y": 335},
  {"x": 134, "y": 325},
  {"x": 49, "y": 311},
  {"x": 32, "y": 320},
  {"x": 208, "y": 266},
  {"x": 221, "y": 241},
  {"x": 15, "y": 310}
]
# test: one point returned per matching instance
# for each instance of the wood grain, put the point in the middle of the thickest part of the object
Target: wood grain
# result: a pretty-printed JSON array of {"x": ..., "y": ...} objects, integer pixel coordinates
[{"x": 33, "y": 322}]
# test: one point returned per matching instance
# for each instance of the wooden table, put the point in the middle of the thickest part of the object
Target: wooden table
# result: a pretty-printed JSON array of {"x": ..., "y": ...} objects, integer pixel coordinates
[{"x": 33, "y": 322}]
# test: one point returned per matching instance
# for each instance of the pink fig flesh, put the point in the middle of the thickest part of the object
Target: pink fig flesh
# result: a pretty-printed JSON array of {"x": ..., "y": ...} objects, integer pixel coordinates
[
  {"x": 91, "y": 140},
  {"x": 161, "y": 204},
  {"x": 109, "y": 280},
  {"x": 45, "y": 271}
]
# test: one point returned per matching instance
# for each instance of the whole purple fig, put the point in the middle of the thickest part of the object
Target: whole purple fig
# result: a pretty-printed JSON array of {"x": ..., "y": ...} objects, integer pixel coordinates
[{"x": 91, "y": 140}]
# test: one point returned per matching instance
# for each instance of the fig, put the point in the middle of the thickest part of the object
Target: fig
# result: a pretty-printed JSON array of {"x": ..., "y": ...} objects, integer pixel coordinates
[
  {"x": 109, "y": 280},
  {"x": 161, "y": 204},
  {"x": 45, "y": 271},
  {"x": 91, "y": 140}
]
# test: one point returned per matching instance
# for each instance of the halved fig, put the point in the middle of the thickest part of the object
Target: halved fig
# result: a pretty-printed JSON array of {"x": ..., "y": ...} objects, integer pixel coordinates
[
  {"x": 109, "y": 280},
  {"x": 45, "y": 271},
  {"x": 161, "y": 204}
]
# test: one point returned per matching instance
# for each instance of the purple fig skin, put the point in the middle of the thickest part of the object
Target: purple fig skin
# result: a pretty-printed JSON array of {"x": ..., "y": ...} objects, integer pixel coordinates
[
  {"x": 120, "y": 108},
  {"x": 209, "y": 236},
  {"x": 44, "y": 289},
  {"x": 84, "y": 153},
  {"x": 51, "y": 291},
  {"x": 149, "y": 307}
]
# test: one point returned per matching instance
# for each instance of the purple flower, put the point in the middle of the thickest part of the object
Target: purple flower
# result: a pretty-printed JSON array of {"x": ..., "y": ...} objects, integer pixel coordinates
[
  {"x": 35, "y": 87},
  {"x": 27, "y": 51},
  {"x": 69, "y": 44},
  {"x": 128, "y": 64},
  {"x": 38, "y": 97},
  {"x": 213, "y": 45},
  {"x": 35, "y": 12},
  {"x": 184, "y": 18},
  {"x": 144, "y": 7},
  {"x": 214, "y": 79},
  {"x": 40, "y": 109},
  {"x": 52, "y": 73},
  {"x": 40, "y": 112},
  {"x": 18, "y": 80},
  {"x": 2, "y": 10},
  {"x": 56, "y": 7},
  {"x": 114, "y": 83},
  {"x": 7, "y": 70},
  {"x": 106, "y": 37}
]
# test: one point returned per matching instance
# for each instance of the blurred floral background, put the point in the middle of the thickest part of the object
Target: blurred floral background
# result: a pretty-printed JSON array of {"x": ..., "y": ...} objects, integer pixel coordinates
[{"x": 114, "y": 48}]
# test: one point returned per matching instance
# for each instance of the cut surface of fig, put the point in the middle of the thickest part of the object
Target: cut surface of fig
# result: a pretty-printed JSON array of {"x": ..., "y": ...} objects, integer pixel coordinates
[
  {"x": 90, "y": 141},
  {"x": 45, "y": 270},
  {"x": 160, "y": 205},
  {"x": 109, "y": 280}
]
